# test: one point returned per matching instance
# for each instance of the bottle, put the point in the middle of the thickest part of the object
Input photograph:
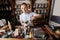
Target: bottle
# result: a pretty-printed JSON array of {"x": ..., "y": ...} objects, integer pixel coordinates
[
  {"x": 21, "y": 33},
  {"x": 27, "y": 32},
  {"x": 30, "y": 35},
  {"x": 39, "y": 5}
]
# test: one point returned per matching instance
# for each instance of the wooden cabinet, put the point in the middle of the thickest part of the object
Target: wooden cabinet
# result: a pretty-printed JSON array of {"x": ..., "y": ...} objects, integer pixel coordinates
[
  {"x": 42, "y": 7},
  {"x": 6, "y": 9}
]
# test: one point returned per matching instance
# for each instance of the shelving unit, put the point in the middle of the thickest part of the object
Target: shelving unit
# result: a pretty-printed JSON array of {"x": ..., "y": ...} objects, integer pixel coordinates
[
  {"x": 6, "y": 9},
  {"x": 37, "y": 6},
  {"x": 42, "y": 7},
  {"x": 10, "y": 9},
  {"x": 18, "y": 5}
]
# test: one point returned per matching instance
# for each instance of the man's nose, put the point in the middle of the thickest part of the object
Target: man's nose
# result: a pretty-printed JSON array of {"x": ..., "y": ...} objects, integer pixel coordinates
[{"x": 24, "y": 9}]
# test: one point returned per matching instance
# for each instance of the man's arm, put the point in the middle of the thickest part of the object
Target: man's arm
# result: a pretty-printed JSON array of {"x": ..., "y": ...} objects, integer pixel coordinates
[
  {"x": 36, "y": 19},
  {"x": 36, "y": 16}
]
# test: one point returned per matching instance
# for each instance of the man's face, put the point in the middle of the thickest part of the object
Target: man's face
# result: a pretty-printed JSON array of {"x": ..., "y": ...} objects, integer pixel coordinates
[{"x": 24, "y": 8}]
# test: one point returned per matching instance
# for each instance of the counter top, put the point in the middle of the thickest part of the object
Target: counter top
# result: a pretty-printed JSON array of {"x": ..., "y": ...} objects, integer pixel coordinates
[{"x": 14, "y": 39}]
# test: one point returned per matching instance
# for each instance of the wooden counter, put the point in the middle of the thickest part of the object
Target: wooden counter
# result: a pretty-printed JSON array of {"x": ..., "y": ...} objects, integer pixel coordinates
[{"x": 14, "y": 39}]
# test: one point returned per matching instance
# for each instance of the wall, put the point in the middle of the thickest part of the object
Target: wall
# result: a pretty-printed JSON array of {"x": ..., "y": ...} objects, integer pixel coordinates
[
  {"x": 56, "y": 10},
  {"x": 55, "y": 13}
]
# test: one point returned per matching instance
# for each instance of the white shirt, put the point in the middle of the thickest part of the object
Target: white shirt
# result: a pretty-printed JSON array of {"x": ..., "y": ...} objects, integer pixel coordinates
[{"x": 25, "y": 17}]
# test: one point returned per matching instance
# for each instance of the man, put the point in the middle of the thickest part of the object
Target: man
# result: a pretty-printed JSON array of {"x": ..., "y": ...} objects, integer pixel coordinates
[{"x": 27, "y": 15}]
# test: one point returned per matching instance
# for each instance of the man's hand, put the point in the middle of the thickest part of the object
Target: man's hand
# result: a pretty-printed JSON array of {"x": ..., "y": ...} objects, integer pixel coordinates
[{"x": 35, "y": 19}]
